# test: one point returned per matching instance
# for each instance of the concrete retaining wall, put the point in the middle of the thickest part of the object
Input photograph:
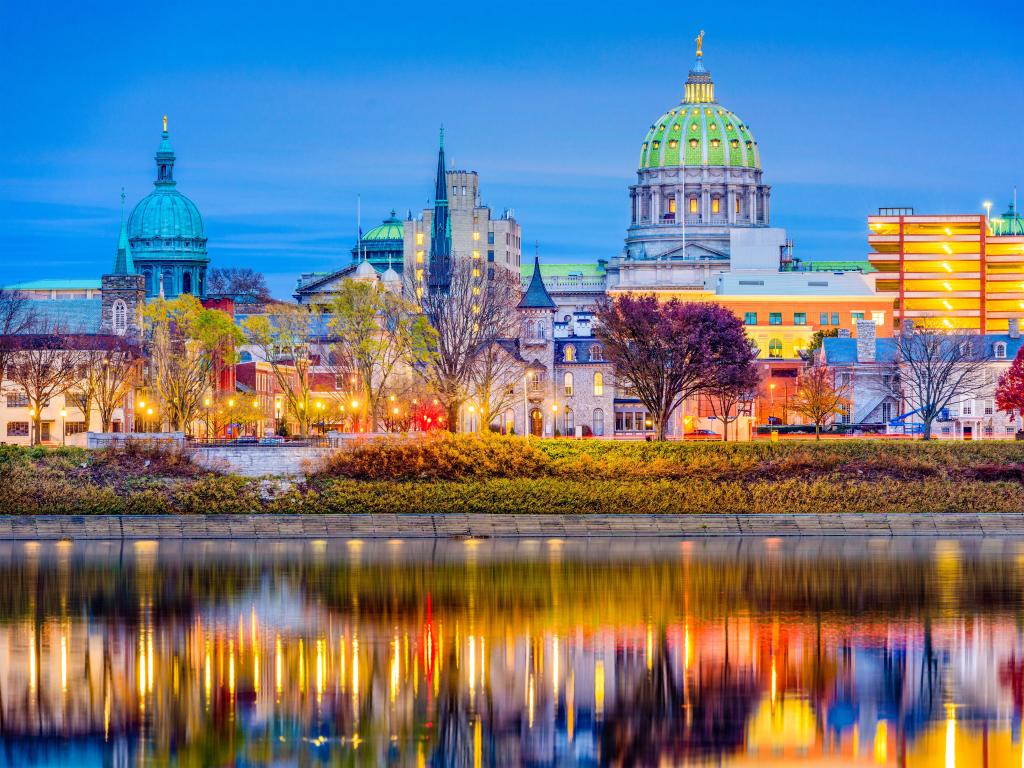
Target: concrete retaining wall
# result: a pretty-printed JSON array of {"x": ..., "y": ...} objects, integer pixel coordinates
[
  {"x": 375, "y": 526},
  {"x": 259, "y": 460}
]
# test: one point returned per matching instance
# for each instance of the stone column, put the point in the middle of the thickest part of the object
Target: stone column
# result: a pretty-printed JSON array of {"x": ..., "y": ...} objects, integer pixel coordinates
[
  {"x": 752, "y": 197},
  {"x": 656, "y": 205},
  {"x": 680, "y": 205},
  {"x": 730, "y": 201},
  {"x": 705, "y": 204},
  {"x": 767, "y": 205}
]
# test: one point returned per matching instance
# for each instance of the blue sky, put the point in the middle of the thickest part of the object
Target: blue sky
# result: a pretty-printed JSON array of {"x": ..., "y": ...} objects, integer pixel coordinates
[{"x": 282, "y": 114}]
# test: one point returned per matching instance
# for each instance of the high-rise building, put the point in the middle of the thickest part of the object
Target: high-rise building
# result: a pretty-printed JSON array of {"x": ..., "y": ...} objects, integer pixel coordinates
[
  {"x": 955, "y": 271},
  {"x": 458, "y": 227}
]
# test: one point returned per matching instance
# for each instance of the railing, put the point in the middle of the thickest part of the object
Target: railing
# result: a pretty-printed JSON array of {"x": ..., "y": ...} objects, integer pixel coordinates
[{"x": 310, "y": 441}]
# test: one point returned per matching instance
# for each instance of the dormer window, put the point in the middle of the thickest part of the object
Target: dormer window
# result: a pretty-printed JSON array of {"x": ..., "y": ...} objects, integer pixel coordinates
[
  {"x": 570, "y": 353},
  {"x": 694, "y": 143},
  {"x": 694, "y": 127}
]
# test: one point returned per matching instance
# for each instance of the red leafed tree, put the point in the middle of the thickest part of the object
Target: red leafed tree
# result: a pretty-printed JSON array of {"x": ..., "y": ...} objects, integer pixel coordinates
[
  {"x": 666, "y": 351},
  {"x": 1010, "y": 391}
]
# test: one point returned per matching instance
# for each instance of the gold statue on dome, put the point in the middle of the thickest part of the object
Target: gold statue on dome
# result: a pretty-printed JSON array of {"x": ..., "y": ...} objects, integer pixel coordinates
[
  {"x": 700, "y": 43},
  {"x": 165, "y": 123}
]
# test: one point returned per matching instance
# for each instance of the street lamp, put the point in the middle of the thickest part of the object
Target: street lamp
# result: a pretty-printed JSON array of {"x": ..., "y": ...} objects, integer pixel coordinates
[
  {"x": 206, "y": 405},
  {"x": 63, "y": 427},
  {"x": 987, "y": 205},
  {"x": 771, "y": 392}
]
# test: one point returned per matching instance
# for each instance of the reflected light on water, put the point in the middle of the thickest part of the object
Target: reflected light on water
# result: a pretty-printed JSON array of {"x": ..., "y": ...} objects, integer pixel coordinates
[{"x": 548, "y": 653}]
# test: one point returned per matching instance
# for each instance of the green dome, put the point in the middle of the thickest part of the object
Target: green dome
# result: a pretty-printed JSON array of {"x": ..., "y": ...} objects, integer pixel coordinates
[
  {"x": 166, "y": 214},
  {"x": 699, "y": 134},
  {"x": 391, "y": 229}
]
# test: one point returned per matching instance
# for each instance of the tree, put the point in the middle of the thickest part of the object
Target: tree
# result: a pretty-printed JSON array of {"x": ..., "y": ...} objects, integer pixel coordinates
[
  {"x": 819, "y": 395},
  {"x": 284, "y": 338},
  {"x": 818, "y": 337},
  {"x": 375, "y": 334},
  {"x": 494, "y": 380},
  {"x": 44, "y": 364},
  {"x": 233, "y": 281},
  {"x": 733, "y": 379},
  {"x": 668, "y": 351},
  {"x": 107, "y": 376},
  {"x": 1010, "y": 390},
  {"x": 933, "y": 366},
  {"x": 188, "y": 343},
  {"x": 468, "y": 316},
  {"x": 16, "y": 317}
]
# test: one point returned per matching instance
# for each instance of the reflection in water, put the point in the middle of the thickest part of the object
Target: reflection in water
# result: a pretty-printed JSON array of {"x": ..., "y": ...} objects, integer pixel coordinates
[{"x": 500, "y": 653}]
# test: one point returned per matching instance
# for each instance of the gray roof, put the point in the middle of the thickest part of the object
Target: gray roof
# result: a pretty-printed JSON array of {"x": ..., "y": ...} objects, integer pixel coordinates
[
  {"x": 73, "y": 315},
  {"x": 536, "y": 296},
  {"x": 764, "y": 282},
  {"x": 844, "y": 351}
]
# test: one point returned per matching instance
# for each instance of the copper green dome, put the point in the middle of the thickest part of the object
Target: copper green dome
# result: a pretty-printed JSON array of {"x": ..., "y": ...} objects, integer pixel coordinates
[
  {"x": 699, "y": 132},
  {"x": 390, "y": 229}
]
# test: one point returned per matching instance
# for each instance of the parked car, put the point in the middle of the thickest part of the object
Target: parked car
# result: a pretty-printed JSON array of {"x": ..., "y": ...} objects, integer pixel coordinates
[
  {"x": 272, "y": 440},
  {"x": 702, "y": 434},
  {"x": 246, "y": 440}
]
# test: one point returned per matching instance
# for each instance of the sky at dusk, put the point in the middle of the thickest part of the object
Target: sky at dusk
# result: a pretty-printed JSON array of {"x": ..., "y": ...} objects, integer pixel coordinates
[{"x": 281, "y": 114}]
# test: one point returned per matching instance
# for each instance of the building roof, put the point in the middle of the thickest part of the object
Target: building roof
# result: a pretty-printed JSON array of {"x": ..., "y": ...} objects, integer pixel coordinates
[
  {"x": 844, "y": 351},
  {"x": 566, "y": 269},
  {"x": 72, "y": 315},
  {"x": 700, "y": 131},
  {"x": 55, "y": 285},
  {"x": 766, "y": 282},
  {"x": 536, "y": 296},
  {"x": 389, "y": 229}
]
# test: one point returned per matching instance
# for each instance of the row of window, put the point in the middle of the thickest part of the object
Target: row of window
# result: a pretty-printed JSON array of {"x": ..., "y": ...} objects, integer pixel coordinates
[
  {"x": 21, "y": 428},
  {"x": 633, "y": 421},
  {"x": 800, "y": 318},
  {"x": 567, "y": 384},
  {"x": 569, "y": 352}
]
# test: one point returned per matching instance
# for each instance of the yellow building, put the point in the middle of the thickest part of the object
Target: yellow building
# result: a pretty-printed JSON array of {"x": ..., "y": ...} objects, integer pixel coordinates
[{"x": 960, "y": 271}]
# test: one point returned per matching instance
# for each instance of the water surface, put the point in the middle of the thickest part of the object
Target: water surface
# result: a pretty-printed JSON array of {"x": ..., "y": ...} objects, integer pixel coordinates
[{"x": 727, "y": 651}]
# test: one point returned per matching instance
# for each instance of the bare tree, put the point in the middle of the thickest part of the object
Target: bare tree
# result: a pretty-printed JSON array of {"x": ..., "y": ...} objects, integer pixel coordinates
[
  {"x": 820, "y": 394},
  {"x": 16, "y": 317},
  {"x": 237, "y": 280},
  {"x": 107, "y": 375},
  {"x": 284, "y": 338},
  {"x": 495, "y": 375},
  {"x": 44, "y": 364},
  {"x": 934, "y": 366},
  {"x": 469, "y": 315}
]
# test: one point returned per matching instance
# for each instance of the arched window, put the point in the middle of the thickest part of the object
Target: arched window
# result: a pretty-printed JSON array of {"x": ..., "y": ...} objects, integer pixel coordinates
[
  {"x": 148, "y": 275},
  {"x": 119, "y": 317},
  {"x": 775, "y": 348},
  {"x": 598, "y": 423},
  {"x": 186, "y": 283},
  {"x": 570, "y": 353},
  {"x": 570, "y": 422},
  {"x": 999, "y": 348},
  {"x": 567, "y": 381},
  {"x": 598, "y": 384},
  {"x": 596, "y": 352}
]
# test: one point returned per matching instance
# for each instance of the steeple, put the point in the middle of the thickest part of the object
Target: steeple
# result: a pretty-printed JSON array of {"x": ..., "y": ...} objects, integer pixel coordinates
[
  {"x": 123, "y": 264},
  {"x": 537, "y": 296},
  {"x": 441, "y": 233},
  {"x": 165, "y": 160},
  {"x": 699, "y": 87}
]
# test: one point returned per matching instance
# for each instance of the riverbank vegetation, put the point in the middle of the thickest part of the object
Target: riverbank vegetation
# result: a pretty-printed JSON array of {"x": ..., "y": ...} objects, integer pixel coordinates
[{"x": 470, "y": 474}]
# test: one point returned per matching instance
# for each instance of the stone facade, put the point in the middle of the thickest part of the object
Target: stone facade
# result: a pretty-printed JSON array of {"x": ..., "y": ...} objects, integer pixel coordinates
[{"x": 122, "y": 299}]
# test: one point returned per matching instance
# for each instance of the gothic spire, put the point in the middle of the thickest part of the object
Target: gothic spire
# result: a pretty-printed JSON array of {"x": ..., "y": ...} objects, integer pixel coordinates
[
  {"x": 123, "y": 263},
  {"x": 440, "y": 235}
]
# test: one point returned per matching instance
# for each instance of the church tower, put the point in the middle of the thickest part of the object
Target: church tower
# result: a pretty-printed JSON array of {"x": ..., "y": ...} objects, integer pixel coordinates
[
  {"x": 123, "y": 291},
  {"x": 440, "y": 273}
]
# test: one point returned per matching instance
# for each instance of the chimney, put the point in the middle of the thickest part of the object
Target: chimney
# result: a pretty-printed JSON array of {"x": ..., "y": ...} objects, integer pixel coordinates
[
  {"x": 1013, "y": 331},
  {"x": 865, "y": 341},
  {"x": 908, "y": 326},
  {"x": 844, "y": 333}
]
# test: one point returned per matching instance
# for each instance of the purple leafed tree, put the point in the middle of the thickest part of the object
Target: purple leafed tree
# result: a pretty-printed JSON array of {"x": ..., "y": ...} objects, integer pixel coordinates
[
  {"x": 667, "y": 351},
  {"x": 734, "y": 376}
]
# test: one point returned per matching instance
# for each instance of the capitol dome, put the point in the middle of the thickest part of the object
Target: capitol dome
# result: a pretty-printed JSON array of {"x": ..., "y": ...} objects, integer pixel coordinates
[
  {"x": 382, "y": 246},
  {"x": 699, "y": 132},
  {"x": 166, "y": 234}
]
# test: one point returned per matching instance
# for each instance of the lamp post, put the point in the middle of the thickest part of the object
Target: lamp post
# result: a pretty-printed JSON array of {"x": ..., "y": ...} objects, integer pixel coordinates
[
  {"x": 554, "y": 418},
  {"x": 206, "y": 405},
  {"x": 987, "y": 205},
  {"x": 63, "y": 426},
  {"x": 771, "y": 392},
  {"x": 355, "y": 415},
  {"x": 142, "y": 410},
  {"x": 256, "y": 417}
]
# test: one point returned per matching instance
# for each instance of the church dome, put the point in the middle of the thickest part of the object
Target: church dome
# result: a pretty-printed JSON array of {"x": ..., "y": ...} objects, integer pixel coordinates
[
  {"x": 390, "y": 229},
  {"x": 700, "y": 131}
]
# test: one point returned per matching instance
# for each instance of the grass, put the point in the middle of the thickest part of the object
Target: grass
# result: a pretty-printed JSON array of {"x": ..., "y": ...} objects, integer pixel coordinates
[{"x": 509, "y": 475}]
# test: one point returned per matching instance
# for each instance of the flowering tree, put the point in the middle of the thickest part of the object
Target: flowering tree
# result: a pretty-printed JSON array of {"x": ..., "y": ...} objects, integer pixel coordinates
[
  {"x": 820, "y": 395},
  {"x": 666, "y": 351},
  {"x": 1010, "y": 390}
]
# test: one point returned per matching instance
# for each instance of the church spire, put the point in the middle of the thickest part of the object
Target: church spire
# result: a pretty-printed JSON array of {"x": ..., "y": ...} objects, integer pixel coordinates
[
  {"x": 165, "y": 159},
  {"x": 123, "y": 263},
  {"x": 440, "y": 235}
]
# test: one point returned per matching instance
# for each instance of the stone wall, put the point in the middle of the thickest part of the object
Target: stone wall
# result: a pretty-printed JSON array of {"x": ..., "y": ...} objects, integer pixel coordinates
[{"x": 260, "y": 460}]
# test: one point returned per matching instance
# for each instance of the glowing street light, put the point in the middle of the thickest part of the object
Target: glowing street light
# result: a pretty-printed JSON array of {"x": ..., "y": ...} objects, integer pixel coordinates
[
  {"x": 63, "y": 427},
  {"x": 987, "y": 205}
]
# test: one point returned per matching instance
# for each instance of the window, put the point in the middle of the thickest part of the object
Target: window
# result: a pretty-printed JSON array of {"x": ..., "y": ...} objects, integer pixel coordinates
[
  {"x": 734, "y": 143},
  {"x": 627, "y": 421},
  {"x": 989, "y": 407},
  {"x": 596, "y": 352},
  {"x": 419, "y": 238},
  {"x": 490, "y": 255},
  {"x": 775, "y": 348},
  {"x": 490, "y": 238},
  {"x": 774, "y": 318},
  {"x": 597, "y": 423},
  {"x": 823, "y": 318},
  {"x": 750, "y": 318},
  {"x": 186, "y": 283},
  {"x": 598, "y": 384},
  {"x": 835, "y": 318},
  {"x": 567, "y": 383},
  {"x": 855, "y": 316},
  {"x": 693, "y": 205},
  {"x": 799, "y": 318},
  {"x": 1000, "y": 350},
  {"x": 570, "y": 353},
  {"x": 967, "y": 408},
  {"x": 119, "y": 316},
  {"x": 17, "y": 429},
  {"x": 878, "y": 318},
  {"x": 570, "y": 421},
  {"x": 74, "y": 427},
  {"x": 672, "y": 205},
  {"x": 534, "y": 380},
  {"x": 716, "y": 204},
  {"x": 17, "y": 400},
  {"x": 886, "y": 412}
]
